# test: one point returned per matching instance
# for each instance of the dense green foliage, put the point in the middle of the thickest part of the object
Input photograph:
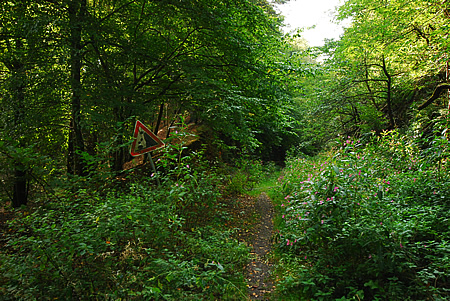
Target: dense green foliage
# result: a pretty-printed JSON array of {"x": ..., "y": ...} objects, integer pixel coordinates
[
  {"x": 381, "y": 73},
  {"x": 129, "y": 239},
  {"x": 367, "y": 222},
  {"x": 75, "y": 75},
  {"x": 360, "y": 218},
  {"x": 368, "y": 219}
]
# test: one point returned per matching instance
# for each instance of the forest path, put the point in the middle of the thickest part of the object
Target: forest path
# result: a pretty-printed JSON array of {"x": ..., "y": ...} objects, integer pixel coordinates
[{"x": 259, "y": 282}]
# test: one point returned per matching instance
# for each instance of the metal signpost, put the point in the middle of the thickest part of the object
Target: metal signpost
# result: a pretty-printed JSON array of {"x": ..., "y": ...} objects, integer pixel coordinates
[{"x": 145, "y": 141}]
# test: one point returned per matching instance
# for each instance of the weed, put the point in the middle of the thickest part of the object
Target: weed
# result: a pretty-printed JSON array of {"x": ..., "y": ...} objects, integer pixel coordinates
[{"x": 365, "y": 222}]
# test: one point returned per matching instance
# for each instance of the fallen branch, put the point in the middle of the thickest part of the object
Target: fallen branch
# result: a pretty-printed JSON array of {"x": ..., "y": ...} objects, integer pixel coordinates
[{"x": 437, "y": 92}]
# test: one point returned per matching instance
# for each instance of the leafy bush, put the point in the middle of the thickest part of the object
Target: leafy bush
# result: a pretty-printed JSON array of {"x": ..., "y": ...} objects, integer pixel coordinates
[
  {"x": 244, "y": 176},
  {"x": 367, "y": 223},
  {"x": 134, "y": 241}
]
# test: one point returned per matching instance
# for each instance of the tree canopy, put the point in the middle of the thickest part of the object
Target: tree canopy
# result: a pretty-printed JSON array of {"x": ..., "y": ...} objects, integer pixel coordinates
[
  {"x": 387, "y": 62},
  {"x": 77, "y": 74}
]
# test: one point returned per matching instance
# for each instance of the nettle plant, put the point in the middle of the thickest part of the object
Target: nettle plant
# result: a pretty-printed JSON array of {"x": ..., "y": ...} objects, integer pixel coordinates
[
  {"x": 353, "y": 224},
  {"x": 190, "y": 183}
]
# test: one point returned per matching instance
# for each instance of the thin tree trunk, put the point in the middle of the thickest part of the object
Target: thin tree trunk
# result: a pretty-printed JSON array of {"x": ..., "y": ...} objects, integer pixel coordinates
[
  {"x": 371, "y": 95},
  {"x": 120, "y": 155},
  {"x": 158, "y": 122},
  {"x": 20, "y": 195},
  {"x": 389, "y": 95},
  {"x": 17, "y": 68},
  {"x": 77, "y": 13}
]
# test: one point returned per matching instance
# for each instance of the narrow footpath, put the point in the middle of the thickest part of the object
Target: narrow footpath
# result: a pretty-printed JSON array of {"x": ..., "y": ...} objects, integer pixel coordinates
[{"x": 260, "y": 285}]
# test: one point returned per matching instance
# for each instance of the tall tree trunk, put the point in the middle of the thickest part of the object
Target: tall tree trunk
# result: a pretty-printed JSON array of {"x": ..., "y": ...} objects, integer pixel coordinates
[
  {"x": 18, "y": 86},
  {"x": 121, "y": 154},
  {"x": 20, "y": 195},
  {"x": 77, "y": 13},
  {"x": 389, "y": 96}
]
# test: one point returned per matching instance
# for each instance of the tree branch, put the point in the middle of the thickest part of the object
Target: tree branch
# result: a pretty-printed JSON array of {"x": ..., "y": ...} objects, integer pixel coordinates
[
  {"x": 437, "y": 92},
  {"x": 370, "y": 80}
]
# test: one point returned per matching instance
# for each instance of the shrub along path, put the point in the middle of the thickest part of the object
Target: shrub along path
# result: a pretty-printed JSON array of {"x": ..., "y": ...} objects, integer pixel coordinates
[{"x": 260, "y": 284}]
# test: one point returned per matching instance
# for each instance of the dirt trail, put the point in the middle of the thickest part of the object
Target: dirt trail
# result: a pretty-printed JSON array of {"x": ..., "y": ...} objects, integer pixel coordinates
[{"x": 259, "y": 283}]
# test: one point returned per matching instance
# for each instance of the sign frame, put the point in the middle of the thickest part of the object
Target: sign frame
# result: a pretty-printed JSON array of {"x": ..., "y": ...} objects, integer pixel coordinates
[{"x": 144, "y": 135}]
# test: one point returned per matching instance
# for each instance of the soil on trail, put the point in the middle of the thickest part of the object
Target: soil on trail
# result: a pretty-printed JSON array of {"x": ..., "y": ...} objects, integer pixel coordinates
[{"x": 259, "y": 281}]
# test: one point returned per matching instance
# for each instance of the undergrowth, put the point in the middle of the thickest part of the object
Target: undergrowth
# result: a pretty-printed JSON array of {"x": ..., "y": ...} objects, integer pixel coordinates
[
  {"x": 130, "y": 240},
  {"x": 366, "y": 223}
]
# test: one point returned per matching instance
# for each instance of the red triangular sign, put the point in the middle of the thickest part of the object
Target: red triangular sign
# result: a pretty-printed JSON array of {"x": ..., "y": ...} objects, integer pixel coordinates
[{"x": 144, "y": 140}]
